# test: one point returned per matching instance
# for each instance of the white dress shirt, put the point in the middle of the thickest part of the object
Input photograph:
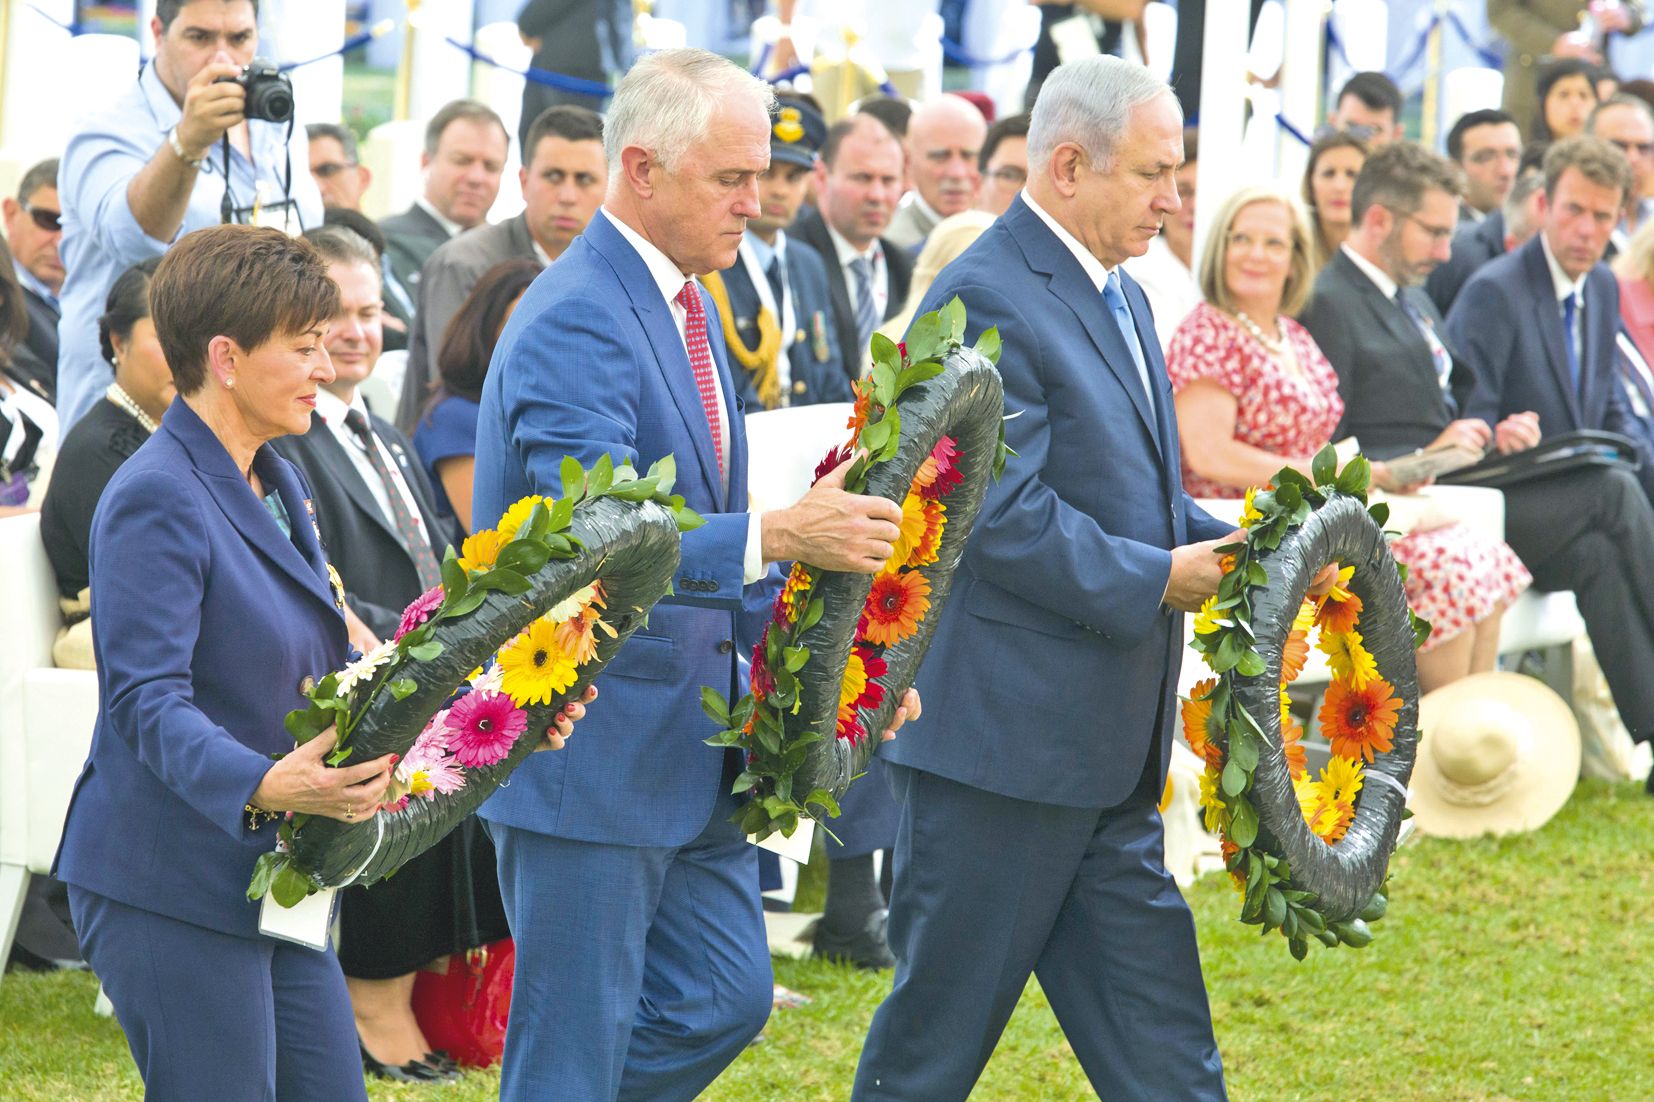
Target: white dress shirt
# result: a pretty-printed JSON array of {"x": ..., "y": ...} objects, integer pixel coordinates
[
  {"x": 1563, "y": 287},
  {"x": 847, "y": 257},
  {"x": 1439, "y": 355},
  {"x": 1170, "y": 286},
  {"x": 448, "y": 225},
  {"x": 670, "y": 280},
  {"x": 332, "y": 409},
  {"x": 1096, "y": 272}
]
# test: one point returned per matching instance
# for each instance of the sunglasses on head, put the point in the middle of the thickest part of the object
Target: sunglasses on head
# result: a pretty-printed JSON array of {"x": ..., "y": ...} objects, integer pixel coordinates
[{"x": 49, "y": 220}]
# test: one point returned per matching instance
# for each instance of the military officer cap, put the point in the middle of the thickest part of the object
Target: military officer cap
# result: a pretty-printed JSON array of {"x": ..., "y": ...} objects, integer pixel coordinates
[{"x": 797, "y": 132}]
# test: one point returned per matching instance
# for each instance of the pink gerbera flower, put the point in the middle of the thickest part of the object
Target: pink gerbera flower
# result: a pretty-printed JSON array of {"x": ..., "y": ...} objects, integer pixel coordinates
[
  {"x": 419, "y": 611},
  {"x": 482, "y": 727},
  {"x": 940, "y": 473}
]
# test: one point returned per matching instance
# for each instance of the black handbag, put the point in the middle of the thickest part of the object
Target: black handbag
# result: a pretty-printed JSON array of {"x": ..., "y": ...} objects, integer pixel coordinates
[{"x": 1562, "y": 454}]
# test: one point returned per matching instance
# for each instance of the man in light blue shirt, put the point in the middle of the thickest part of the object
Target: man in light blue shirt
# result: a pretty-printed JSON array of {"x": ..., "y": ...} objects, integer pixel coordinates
[{"x": 150, "y": 169}]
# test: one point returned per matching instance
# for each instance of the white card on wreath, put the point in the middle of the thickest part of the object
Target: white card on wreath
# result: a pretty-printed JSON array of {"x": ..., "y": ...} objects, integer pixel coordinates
[
  {"x": 796, "y": 848},
  {"x": 307, "y": 922}
]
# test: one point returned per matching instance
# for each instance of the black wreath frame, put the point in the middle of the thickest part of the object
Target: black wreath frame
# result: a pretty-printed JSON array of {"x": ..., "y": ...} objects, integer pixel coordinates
[
  {"x": 967, "y": 402},
  {"x": 632, "y": 547},
  {"x": 1343, "y": 877}
]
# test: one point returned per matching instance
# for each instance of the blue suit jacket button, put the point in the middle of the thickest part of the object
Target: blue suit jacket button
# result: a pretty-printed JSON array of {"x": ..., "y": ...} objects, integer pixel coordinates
[{"x": 725, "y": 646}]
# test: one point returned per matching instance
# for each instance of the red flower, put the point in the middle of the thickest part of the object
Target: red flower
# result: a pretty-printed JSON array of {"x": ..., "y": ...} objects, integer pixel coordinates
[
  {"x": 763, "y": 682},
  {"x": 940, "y": 473},
  {"x": 833, "y": 459},
  {"x": 901, "y": 346}
]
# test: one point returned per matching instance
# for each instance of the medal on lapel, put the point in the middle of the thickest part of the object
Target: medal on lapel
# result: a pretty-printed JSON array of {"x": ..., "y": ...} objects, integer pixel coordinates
[
  {"x": 338, "y": 584},
  {"x": 818, "y": 337}
]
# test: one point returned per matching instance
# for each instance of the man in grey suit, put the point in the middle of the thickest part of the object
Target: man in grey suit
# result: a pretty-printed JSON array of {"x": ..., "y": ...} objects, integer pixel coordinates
[
  {"x": 563, "y": 184},
  {"x": 465, "y": 151},
  {"x": 944, "y": 139}
]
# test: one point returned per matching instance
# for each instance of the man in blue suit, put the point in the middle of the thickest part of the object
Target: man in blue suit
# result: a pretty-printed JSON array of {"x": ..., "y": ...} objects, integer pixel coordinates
[
  {"x": 642, "y": 966},
  {"x": 1029, "y": 838},
  {"x": 776, "y": 309},
  {"x": 1538, "y": 328}
]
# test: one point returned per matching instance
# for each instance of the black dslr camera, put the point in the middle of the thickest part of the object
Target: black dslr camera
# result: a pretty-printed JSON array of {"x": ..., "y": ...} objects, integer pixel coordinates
[{"x": 269, "y": 92}]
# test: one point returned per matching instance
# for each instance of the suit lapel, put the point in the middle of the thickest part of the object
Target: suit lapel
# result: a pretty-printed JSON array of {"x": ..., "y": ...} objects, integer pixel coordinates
[
  {"x": 235, "y": 499},
  {"x": 665, "y": 342},
  {"x": 815, "y": 232},
  {"x": 321, "y": 442},
  {"x": 1165, "y": 420},
  {"x": 1549, "y": 316},
  {"x": 1069, "y": 282}
]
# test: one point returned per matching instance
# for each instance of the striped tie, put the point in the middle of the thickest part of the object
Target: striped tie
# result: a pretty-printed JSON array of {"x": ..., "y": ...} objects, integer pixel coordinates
[
  {"x": 866, "y": 318},
  {"x": 402, "y": 518}
]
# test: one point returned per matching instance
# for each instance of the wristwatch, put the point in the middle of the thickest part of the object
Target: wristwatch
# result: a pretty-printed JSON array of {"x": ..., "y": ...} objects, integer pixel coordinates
[{"x": 178, "y": 150}]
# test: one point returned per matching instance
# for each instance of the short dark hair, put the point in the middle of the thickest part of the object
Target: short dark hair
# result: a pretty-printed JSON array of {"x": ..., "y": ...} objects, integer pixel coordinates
[
  {"x": 893, "y": 111},
  {"x": 359, "y": 223},
  {"x": 843, "y": 129},
  {"x": 1375, "y": 90},
  {"x": 468, "y": 342},
  {"x": 1533, "y": 156},
  {"x": 1598, "y": 161},
  {"x": 566, "y": 121},
  {"x": 1011, "y": 126},
  {"x": 167, "y": 10},
  {"x": 454, "y": 110},
  {"x": 126, "y": 305},
  {"x": 1470, "y": 120},
  {"x": 1191, "y": 144},
  {"x": 38, "y": 176},
  {"x": 248, "y": 283},
  {"x": 339, "y": 244},
  {"x": 1397, "y": 175},
  {"x": 340, "y": 134}
]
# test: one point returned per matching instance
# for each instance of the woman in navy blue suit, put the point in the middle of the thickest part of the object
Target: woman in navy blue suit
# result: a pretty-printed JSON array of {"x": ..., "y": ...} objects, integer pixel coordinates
[{"x": 214, "y": 612}]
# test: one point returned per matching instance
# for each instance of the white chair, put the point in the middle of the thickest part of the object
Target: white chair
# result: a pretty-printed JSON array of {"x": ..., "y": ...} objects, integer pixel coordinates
[{"x": 46, "y": 719}]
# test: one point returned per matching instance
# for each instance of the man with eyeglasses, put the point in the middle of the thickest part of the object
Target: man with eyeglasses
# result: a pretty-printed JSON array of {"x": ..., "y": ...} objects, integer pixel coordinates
[
  {"x": 1003, "y": 163},
  {"x": 335, "y": 165},
  {"x": 34, "y": 228},
  {"x": 1625, "y": 122},
  {"x": 150, "y": 168}
]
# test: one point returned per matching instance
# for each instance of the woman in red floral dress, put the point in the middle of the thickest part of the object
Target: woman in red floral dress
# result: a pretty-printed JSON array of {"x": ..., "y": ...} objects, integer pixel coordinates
[{"x": 1254, "y": 392}]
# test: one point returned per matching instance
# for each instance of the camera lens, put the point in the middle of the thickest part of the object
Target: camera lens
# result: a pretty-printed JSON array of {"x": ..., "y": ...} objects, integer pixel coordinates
[{"x": 274, "y": 103}]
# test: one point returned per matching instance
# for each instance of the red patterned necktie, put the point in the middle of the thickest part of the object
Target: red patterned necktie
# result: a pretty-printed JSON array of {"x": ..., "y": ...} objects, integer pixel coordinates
[{"x": 700, "y": 358}]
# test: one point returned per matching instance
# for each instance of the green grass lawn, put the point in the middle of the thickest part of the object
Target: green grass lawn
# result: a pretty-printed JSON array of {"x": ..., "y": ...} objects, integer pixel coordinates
[{"x": 1510, "y": 970}]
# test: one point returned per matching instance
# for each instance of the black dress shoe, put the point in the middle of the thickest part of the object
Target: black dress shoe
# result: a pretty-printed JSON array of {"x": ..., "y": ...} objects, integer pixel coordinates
[
  {"x": 443, "y": 1063},
  {"x": 414, "y": 1071},
  {"x": 867, "y": 948}
]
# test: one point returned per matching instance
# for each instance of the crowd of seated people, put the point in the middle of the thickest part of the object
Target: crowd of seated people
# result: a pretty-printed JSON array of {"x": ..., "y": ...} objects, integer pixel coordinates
[{"x": 1388, "y": 294}]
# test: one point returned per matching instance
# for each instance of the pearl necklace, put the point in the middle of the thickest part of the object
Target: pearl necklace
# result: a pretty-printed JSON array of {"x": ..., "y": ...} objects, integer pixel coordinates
[
  {"x": 1275, "y": 347},
  {"x": 121, "y": 398}
]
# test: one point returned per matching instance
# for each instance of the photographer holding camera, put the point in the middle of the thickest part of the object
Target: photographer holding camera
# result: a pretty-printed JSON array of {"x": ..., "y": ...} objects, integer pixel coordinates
[{"x": 152, "y": 167}]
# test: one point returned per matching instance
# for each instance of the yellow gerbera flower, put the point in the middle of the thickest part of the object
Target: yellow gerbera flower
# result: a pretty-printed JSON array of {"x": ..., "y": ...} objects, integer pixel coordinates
[
  {"x": 1249, "y": 513},
  {"x": 1211, "y": 798},
  {"x": 1342, "y": 778},
  {"x": 517, "y": 516},
  {"x": 1350, "y": 661},
  {"x": 420, "y": 783},
  {"x": 481, "y": 549},
  {"x": 855, "y": 680},
  {"x": 534, "y": 668},
  {"x": 1209, "y": 619},
  {"x": 913, "y": 531}
]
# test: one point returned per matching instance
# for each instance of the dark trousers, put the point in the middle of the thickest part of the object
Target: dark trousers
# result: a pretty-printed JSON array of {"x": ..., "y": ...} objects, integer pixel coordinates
[
  {"x": 220, "y": 1018},
  {"x": 991, "y": 889},
  {"x": 1592, "y": 531}
]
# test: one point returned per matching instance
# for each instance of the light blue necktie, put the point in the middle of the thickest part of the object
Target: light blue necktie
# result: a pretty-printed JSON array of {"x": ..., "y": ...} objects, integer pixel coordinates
[
  {"x": 1570, "y": 336},
  {"x": 1115, "y": 296},
  {"x": 866, "y": 318}
]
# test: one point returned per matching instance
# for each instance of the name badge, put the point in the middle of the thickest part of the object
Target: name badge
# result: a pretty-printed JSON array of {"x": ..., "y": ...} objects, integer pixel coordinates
[{"x": 308, "y": 923}]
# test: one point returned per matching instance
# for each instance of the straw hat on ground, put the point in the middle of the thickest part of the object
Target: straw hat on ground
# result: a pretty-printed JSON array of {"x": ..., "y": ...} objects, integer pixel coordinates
[{"x": 1498, "y": 753}]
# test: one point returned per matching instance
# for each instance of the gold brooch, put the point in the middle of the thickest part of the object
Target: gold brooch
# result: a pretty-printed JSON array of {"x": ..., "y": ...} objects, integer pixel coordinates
[{"x": 789, "y": 125}]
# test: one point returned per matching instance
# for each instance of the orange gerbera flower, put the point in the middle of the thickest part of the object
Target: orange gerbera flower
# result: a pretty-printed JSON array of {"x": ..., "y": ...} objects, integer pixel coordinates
[
  {"x": 862, "y": 408},
  {"x": 577, "y": 635},
  {"x": 930, "y": 540},
  {"x": 912, "y": 532},
  {"x": 1197, "y": 719},
  {"x": 1295, "y": 651},
  {"x": 1341, "y": 607},
  {"x": 895, "y": 605},
  {"x": 1297, "y": 763},
  {"x": 1360, "y": 722},
  {"x": 1229, "y": 849}
]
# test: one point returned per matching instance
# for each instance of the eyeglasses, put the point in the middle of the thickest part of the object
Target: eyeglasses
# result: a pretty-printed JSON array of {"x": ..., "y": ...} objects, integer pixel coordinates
[
  {"x": 331, "y": 169},
  {"x": 1272, "y": 247},
  {"x": 49, "y": 220},
  {"x": 1437, "y": 234},
  {"x": 1009, "y": 175}
]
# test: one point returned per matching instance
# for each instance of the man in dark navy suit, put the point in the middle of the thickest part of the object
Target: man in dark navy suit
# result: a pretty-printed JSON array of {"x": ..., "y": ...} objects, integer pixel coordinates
[
  {"x": 1030, "y": 840},
  {"x": 777, "y": 313},
  {"x": 1539, "y": 328}
]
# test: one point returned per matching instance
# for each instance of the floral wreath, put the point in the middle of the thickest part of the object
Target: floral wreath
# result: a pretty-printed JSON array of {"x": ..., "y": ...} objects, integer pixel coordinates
[
  {"x": 841, "y": 649},
  {"x": 1308, "y": 853},
  {"x": 527, "y": 615}
]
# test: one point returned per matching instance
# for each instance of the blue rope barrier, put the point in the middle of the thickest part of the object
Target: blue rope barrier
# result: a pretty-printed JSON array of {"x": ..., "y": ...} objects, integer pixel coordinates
[
  {"x": 789, "y": 74},
  {"x": 1285, "y": 124},
  {"x": 1489, "y": 56},
  {"x": 354, "y": 42},
  {"x": 561, "y": 81},
  {"x": 72, "y": 28},
  {"x": 763, "y": 59}
]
